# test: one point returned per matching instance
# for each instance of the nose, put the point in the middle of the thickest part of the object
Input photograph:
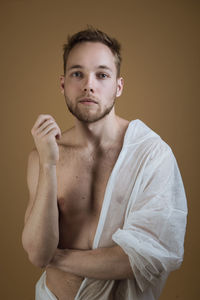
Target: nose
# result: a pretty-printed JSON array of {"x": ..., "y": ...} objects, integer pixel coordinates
[
  {"x": 88, "y": 90},
  {"x": 88, "y": 84}
]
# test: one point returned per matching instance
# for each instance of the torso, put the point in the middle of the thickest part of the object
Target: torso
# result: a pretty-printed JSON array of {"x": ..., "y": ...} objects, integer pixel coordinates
[{"x": 82, "y": 179}]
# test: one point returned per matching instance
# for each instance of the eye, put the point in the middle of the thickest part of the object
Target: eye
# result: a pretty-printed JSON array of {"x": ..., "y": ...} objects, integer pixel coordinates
[
  {"x": 102, "y": 75},
  {"x": 77, "y": 74}
]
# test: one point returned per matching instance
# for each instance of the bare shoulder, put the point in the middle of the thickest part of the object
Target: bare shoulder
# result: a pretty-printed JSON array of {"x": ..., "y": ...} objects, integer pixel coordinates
[
  {"x": 123, "y": 122},
  {"x": 67, "y": 141},
  {"x": 67, "y": 137},
  {"x": 70, "y": 149}
]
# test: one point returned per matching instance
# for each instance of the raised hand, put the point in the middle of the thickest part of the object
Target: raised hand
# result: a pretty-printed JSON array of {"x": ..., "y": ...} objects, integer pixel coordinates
[{"x": 45, "y": 132}]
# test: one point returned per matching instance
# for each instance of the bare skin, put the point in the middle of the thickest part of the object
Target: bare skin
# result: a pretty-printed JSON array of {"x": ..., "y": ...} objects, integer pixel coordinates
[
  {"x": 80, "y": 207},
  {"x": 68, "y": 173}
]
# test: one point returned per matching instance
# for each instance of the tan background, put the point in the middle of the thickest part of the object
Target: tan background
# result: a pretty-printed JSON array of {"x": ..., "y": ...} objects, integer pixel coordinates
[{"x": 161, "y": 49}]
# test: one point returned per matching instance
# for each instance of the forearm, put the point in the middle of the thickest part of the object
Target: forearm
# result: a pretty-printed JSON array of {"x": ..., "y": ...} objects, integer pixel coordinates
[
  {"x": 41, "y": 232},
  {"x": 101, "y": 263}
]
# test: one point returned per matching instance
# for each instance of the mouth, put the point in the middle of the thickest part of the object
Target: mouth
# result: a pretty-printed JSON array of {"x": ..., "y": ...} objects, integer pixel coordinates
[{"x": 87, "y": 101}]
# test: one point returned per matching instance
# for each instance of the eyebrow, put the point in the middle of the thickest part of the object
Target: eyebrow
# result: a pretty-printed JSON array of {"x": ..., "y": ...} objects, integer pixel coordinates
[
  {"x": 104, "y": 67},
  {"x": 75, "y": 67}
]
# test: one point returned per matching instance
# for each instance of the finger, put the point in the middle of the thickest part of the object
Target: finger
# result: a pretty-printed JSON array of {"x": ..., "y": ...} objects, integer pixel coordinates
[
  {"x": 41, "y": 119},
  {"x": 44, "y": 125},
  {"x": 58, "y": 136},
  {"x": 56, "y": 133},
  {"x": 46, "y": 130},
  {"x": 51, "y": 129}
]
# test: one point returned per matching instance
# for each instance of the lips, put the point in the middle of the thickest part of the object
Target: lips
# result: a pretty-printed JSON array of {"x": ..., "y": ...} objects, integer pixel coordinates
[{"x": 87, "y": 100}]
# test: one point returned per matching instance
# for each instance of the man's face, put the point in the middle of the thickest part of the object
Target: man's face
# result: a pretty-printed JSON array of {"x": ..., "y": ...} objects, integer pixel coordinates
[{"x": 90, "y": 85}]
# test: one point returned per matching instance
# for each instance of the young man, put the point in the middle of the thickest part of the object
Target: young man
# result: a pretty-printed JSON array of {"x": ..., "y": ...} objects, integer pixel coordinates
[{"x": 107, "y": 210}]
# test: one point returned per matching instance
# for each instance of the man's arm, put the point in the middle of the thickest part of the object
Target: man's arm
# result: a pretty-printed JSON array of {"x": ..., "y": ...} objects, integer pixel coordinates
[
  {"x": 100, "y": 263},
  {"x": 41, "y": 233}
]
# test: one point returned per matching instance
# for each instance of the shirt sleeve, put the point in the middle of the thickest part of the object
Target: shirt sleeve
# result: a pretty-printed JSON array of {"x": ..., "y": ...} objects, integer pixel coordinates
[{"x": 154, "y": 228}]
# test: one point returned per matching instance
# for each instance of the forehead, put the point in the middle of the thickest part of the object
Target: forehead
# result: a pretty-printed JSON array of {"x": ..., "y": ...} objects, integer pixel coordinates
[{"x": 91, "y": 55}]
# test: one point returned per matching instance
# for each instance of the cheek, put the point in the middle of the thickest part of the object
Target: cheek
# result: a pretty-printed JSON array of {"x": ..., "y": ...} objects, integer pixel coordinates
[
  {"x": 108, "y": 87},
  {"x": 112, "y": 90},
  {"x": 71, "y": 87}
]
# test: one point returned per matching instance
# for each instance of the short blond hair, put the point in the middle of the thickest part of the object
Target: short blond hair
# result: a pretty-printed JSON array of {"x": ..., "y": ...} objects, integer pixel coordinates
[{"x": 93, "y": 35}]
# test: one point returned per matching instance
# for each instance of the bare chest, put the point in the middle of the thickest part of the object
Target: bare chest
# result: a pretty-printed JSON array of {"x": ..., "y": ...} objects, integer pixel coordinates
[{"x": 82, "y": 182}]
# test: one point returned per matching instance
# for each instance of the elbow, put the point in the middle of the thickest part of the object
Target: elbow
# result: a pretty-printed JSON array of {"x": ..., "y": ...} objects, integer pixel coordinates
[
  {"x": 37, "y": 258},
  {"x": 38, "y": 262}
]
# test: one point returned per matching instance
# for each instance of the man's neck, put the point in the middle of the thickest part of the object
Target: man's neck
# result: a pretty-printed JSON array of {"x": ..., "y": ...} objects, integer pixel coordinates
[{"x": 103, "y": 133}]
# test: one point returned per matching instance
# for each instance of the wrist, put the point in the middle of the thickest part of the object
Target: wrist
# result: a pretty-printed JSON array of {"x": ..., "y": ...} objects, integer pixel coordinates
[
  {"x": 46, "y": 166},
  {"x": 67, "y": 260}
]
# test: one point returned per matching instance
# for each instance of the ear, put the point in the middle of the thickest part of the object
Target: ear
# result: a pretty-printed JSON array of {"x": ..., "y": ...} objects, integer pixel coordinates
[
  {"x": 120, "y": 85},
  {"x": 62, "y": 83}
]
